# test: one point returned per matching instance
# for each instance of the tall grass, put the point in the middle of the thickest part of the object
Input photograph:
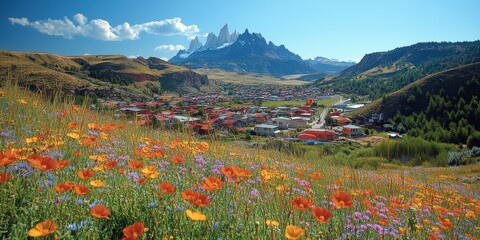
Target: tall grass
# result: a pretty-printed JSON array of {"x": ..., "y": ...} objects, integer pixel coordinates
[{"x": 239, "y": 210}]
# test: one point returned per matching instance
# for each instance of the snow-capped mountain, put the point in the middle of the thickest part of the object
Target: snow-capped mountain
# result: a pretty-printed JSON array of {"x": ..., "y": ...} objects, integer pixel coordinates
[
  {"x": 247, "y": 52},
  {"x": 328, "y": 65}
]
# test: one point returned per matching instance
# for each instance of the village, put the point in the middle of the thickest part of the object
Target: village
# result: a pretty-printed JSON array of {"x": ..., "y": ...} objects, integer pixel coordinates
[{"x": 293, "y": 114}]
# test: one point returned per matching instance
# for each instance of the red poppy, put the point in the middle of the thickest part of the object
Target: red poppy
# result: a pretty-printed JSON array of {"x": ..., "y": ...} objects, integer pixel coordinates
[
  {"x": 111, "y": 164},
  {"x": 342, "y": 200},
  {"x": 212, "y": 183},
  {"x": 133, "y": 231},
  {"x": 321, "y": 214},
  {"x": 141, "y": 181},
  {"x": 4, "y": 177},
  {"x": 85, "y": 174},
  {"x": 100, "y": 211},
  {"x": 167, "y": 187},
  {"x": 301, "y": 203}
]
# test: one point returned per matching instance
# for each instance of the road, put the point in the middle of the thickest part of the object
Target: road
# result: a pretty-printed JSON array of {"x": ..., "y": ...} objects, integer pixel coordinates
[{"x": 320, "y": 121}]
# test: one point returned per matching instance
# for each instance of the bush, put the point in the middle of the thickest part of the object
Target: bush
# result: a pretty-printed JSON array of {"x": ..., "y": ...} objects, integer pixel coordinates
[
  {"x": 464, "y": 157},
  {"x": 372, "y": 163},
  {"x": 474, "y": 140}
]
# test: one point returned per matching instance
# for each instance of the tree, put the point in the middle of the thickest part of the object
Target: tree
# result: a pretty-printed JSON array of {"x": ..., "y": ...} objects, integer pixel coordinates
[{"x": 474, "y": 140}]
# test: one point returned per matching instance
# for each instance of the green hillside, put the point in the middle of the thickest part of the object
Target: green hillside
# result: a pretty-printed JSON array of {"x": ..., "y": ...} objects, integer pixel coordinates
[
  {"x": 112, "y": 76},
  {"x": 444, "y": 106},
  {"x": 385, "y": 72}
]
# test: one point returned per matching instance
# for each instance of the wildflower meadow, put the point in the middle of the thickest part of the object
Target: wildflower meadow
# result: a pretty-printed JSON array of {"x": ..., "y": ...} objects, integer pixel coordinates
[{"x": 67, "y": 172}]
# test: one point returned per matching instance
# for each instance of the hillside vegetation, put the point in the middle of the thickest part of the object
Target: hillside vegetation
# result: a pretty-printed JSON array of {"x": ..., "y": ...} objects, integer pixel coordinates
[
  {"x": 70, "y": 173},
  {"x": 443, "y": 107},
  {"x": 381, "y": 73},
  {"x": 111, "y": 76}
]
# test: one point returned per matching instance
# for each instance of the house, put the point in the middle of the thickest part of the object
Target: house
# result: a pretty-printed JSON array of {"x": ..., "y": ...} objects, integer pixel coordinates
[
  {"x": 352, "y": 130},
  {"x": 266, "y": 130},
  {"x": 298, "y": 122},
  {"x": 339, "y": 120},
  {"x": 318, "y": 135},
  {"x": 281, "y": 122},
  {"x": 310, "y": 101}
]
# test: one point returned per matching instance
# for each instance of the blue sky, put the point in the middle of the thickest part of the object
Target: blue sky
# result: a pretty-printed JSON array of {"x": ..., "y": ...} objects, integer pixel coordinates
[{"x": 341, "y": 29}]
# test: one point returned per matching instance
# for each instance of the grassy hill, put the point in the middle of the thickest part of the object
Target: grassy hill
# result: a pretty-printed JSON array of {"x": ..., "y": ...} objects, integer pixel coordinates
[
  {"x": 442, "y": 106},
  {"x": 248, "y": 78},
  {"x": 112, "y": 76},
  {"x": 385, "y": 72},
  {"x": 89, "y": 176}
]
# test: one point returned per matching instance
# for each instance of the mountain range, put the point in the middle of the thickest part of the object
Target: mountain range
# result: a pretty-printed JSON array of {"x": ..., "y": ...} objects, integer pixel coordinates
[
  {"x": 250, "y": 52},
  {"x": 381, "y": 73}
]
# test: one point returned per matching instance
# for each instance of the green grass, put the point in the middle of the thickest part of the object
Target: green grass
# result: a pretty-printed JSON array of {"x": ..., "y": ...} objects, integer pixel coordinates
[
  {"x": 239, "y": 210},
  {"x": 296, "y": 103},
  {"x": 246, "y": 78}
]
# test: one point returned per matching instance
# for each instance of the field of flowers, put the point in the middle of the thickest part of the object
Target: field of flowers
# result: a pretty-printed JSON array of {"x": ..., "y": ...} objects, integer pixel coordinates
[{"x": 69, "y": 173}]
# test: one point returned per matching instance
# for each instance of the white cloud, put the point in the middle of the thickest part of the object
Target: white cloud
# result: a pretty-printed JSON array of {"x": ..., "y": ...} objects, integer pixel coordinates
[
  {"x": 164, "y": 59},
  {"x": 102, "y": 30},
  {"x": 19, "y": 21},
  {"x": 80, "y": 18},
  {"x": 169, "y": 48}
]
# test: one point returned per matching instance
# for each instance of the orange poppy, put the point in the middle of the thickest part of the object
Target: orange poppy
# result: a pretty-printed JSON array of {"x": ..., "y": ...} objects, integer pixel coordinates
[
  {"x": 72, "y": 124},
  {"x": 80, "y": 189},
  {"x": 195, "y": 216},
  {"x": 61, "y": 188},
  {"x": 384, "y": 222},
  {"x": 167, "y": 187},
  {"x": 43, "y": 229},
  {"x": 321, "y": 214},
  {"x": 301, "y": 203},
  {"x": 100, "y": 211},
  {"x": 293, "y": 232},
  {"x": 133, "y": 231},
  {"x": 177, "y": 159},
  {"x": 4, "y": 177},
  {"x": 316, "y": 175},
  {"x": 188, "y": 195},
  {"x": 7, "y": 157},
  {"x": 374, "y": 211},
  {"x": 85, "y": 174},
  {"x": 229, "y": 172},
  {"x": 44, "y": 163},
  {"x": 342, "y": 200},
  {"x": 111, "y": 164},
  {"x": 135, "y": 164},
  {"x": 445, "y": 222},
  {"x": 62, "y": 163},
  {"x": 433, "y": 236},
  {"x": 77, "y": 153},
  {"x": 235, "y": 172},
  {"x": 198, "y": 199},
  {"x": 212, "y": 183}
]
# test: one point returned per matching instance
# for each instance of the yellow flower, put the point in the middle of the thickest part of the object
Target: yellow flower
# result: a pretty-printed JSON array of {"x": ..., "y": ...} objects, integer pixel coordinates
[
  {"x": 196, "y": 216},
  {"x": 97, "y": 183},
  {"x": 21, "y": 101},
  {"x": 43, "y": 229},
  {"x": 31, "y": 140},
  {"x": 150, "y": 172},
  {"x": 470, "y": 215},
  {"x": 272, "y": 223},
  {"x": 293, "y": 232},
  {"x": 73, "y": 135}
]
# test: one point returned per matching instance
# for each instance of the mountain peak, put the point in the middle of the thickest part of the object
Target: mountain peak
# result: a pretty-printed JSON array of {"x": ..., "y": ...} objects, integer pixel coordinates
[
  {"x": 194, "y": 44},
  {"x": 223, "y": 36}
]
